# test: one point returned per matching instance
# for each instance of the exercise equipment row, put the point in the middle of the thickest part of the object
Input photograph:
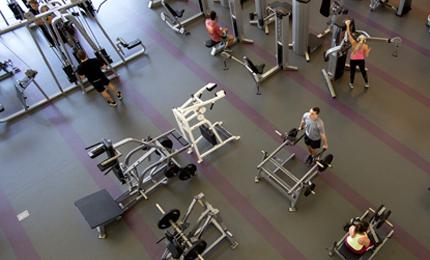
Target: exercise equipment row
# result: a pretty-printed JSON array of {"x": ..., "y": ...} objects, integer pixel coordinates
[{"x": 146, "y": 165}]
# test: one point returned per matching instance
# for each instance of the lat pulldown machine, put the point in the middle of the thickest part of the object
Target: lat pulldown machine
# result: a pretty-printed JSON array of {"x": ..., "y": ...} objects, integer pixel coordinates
[
  {"x": 263, "y": 15},
  {"x": 273, "y": 170},
  {"x": 153, "y": 165},
  {"x": 195, "y": 127},
  {"x": 282, "y": 13},
  {"x": 337, "y": 55},
  {"x": 380, "y": 231},
  {"x": 185, "y": 240}
]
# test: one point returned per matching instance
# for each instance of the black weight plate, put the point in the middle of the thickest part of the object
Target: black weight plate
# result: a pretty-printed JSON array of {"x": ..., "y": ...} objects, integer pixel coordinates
[
  {"x": 171, "y": 216},
  {"x": 197, "y": 249}
]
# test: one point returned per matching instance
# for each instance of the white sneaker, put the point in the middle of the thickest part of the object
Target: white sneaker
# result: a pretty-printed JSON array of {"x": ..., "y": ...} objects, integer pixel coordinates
[
  {"x": 366, "y": 85},
  {"x": 351, "y": 86}
]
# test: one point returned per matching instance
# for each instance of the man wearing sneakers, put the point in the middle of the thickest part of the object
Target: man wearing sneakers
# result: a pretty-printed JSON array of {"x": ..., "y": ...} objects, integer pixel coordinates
[
  {"x": 314, "y": 132},
  {"x": 92, "y": 69}
]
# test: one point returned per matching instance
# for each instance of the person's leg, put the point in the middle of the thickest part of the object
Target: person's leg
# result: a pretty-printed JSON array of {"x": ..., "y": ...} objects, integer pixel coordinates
[
  {"x": 115, "y": 90},
  {"x": 352, "y": 65},
  {"x": 106, "y": 95},
  {"x": 230, "y": 40},
  {"x": 362, "y": 65}
]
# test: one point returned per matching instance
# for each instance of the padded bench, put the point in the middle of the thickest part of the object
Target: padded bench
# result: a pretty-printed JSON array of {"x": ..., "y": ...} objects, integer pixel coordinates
[{"x": 99, "y": 209}]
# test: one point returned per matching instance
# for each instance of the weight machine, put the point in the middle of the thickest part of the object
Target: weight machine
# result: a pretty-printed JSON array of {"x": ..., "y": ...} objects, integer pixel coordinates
[
  {"x": 337, "y": 55},
  {"x": 380, "y": 231},
  {"x": 282, "y": 13},
  {"x": 304, "y": 43},
  {"x": 153, "y": 165},
  {"x": 273, "y": 169},
  {"x": 337, "y": 9},
  {"x": 7, "y": 69},
  {"x": 22, "y": 85},
  {"x": 184, "y": 240},
  {"x": 264, "y": 15},
  {"x": 403, "y": 8},
  {"x": 62, "y": 17},
  {"x": 172, "y": 17},
  {"x": 190, "y": 118}
]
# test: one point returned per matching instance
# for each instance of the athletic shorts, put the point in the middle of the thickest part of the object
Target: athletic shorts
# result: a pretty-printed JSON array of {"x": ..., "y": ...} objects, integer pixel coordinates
[
  {"x": 100, "y": 84},
  {"x": 312, "y": 143}
]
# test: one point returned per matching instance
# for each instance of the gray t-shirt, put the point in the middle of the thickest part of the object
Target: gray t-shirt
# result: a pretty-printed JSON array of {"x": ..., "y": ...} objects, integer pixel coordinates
[{"x": 313, "y": 129}]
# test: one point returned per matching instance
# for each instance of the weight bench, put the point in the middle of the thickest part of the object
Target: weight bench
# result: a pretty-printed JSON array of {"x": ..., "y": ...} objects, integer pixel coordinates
[
  {"x": 171, "y": 18},
  {"x": 121, "y": 44},
  {"x": 99, "y": 209}
]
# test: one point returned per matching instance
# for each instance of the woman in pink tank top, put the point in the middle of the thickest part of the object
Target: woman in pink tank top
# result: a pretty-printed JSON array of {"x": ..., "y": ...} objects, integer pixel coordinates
[{"x": 359, "y": 52}]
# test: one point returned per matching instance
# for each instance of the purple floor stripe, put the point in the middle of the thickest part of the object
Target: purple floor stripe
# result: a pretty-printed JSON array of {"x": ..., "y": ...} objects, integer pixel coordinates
[
  {"x": 242, "y": 205},
  {"x": 14, "y": 232},
  {"x": 135, "y": 222},
  {"x": 417, "y": 248},
  {"x": 390, "y": 33}
]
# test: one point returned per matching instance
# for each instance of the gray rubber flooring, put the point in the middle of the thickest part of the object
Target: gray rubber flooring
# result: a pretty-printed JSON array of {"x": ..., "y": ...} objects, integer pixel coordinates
[{"x": 380, "y": 140}]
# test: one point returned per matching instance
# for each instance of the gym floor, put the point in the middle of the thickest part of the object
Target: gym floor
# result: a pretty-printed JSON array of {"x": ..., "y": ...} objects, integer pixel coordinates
[{"x": 380, "y": 140}]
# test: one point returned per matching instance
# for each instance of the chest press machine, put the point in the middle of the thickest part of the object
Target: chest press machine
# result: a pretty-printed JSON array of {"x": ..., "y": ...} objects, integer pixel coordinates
[
  {"x": 153, "y": 166},
  {"x": 185, "y": 240},
  {"x": 195, "y": 127},
  {"x": 281, "y": 13},
  {"x": 337, "y": 55},
  {"x": 380, "y": 231},
  {"x": 403, "y": 8},
  {"x": 173, "y": 17},
  {"x": 273, "y": 170}
]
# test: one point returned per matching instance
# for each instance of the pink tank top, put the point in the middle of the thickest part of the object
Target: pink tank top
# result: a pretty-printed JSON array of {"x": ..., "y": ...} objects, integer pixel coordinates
[{"x": 357, "y": 54}]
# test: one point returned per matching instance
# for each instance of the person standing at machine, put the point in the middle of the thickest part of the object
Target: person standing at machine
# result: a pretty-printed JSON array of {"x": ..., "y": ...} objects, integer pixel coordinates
[
  {"x": 91, "y": 69},
  {"x": 314, "y": 132},
  {"x": 34, "y": 9},
  {"x": 216, "y": 32},
  {"x": 360, "y": 51}
]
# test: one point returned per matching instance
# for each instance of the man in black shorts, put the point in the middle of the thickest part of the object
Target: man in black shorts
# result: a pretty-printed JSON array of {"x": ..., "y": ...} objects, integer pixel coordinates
[
  {"x": 314, "y": 132},
  {"x": 91, "y": 68}
]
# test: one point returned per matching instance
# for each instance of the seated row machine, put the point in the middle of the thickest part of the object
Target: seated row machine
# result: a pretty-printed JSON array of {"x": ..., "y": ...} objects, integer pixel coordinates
[
  {"x": 185, "y": 240},
  {"x": 153, "y": 165},
  {"x": 195, "y": 127},
  {"x": 172, "y": 17},
  {"x": 380, "y": 231},
  {"x": 273, "y": 170},
  {"x": 282, "y": 12}
]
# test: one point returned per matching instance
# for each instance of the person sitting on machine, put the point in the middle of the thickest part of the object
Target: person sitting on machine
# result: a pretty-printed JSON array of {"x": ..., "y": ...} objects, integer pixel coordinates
[
  {"x": 216, "y": 32},
  {"x": 357, "y": 241},
  {"x": 91, "y": 68},
  {"x": 360, "y": 51},
  {"x": 314, "y": 132}
]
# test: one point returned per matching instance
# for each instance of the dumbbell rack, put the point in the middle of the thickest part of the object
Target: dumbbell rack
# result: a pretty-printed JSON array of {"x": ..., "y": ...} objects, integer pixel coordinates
[
  {"x": 273, "y": 170},
  {"x": 186, "y": 238},
  {"x": 153, "y": 168}
]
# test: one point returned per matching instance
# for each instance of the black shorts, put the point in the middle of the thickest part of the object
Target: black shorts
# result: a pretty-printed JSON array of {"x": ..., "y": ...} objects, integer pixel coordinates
[
  {"x": 100, "y": 84},
  {"x": 313, "y": 144}
]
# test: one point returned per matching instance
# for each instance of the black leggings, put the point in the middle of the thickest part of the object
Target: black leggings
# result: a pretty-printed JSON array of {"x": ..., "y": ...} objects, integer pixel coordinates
[{"x": 353, "y": 64}]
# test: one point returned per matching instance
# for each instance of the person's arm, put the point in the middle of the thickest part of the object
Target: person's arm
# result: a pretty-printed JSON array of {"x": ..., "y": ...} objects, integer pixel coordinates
[
  {"x": 348, "y": 30},
  {"x": 367, "y": 50},
  {"x": 80, "y": 72},
  {"x": 351, "y": 231},
  {"x": 365, "y": 241},
  {"x": 302, "y": 123},
  {"x": 325, "y": 141}
]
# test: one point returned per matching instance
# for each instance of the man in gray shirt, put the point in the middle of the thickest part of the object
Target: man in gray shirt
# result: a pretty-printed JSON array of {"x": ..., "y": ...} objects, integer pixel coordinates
[{"x": 314, "y": 131}]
